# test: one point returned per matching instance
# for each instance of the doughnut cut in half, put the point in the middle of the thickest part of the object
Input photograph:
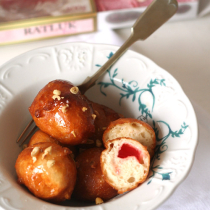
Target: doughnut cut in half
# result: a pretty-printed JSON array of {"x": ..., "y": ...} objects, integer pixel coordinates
[
  {"x": 132, "y": 128},
  {"x": 125, "y": 164}
]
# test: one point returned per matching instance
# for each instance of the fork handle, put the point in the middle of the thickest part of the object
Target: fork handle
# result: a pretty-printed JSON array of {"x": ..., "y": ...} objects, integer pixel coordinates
[
  {"x": 90, "y": 81},
  {"x": 157, "y": 13}
]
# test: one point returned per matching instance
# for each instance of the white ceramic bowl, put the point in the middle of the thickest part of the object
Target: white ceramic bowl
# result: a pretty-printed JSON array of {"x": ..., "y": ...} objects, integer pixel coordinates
[{"x": 135, "y": 87}]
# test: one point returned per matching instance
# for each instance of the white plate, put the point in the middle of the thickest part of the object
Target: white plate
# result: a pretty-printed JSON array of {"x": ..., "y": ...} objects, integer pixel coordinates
[{"x": 135, "y": 87}]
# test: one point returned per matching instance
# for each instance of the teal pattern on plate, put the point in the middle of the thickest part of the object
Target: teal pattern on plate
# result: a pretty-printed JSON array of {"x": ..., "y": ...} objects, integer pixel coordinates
[{"x": 131, "y": 89}]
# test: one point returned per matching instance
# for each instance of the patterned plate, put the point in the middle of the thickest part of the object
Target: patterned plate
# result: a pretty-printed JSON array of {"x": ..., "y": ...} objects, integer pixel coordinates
[{"x": 135, "y": 87}]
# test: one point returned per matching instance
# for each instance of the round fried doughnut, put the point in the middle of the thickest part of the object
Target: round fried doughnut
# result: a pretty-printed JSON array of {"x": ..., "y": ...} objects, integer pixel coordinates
[
  {"x": 39, "y": 136},
  {"x": 125, "y": 163},
  {"x": 90, "y": 180},
  {"x": 61, "y": 111},
  {"x": 132, "y": 128},
  {"x": 103, "y": 117},
  {"x": 47, "y": 170}
]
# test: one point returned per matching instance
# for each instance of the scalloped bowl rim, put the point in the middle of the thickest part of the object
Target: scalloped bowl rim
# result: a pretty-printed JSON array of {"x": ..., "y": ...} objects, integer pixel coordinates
[{"x": 172, "y": 189}]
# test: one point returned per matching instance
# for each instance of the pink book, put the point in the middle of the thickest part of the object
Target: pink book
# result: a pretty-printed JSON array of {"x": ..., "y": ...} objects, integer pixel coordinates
[
  {"x": 106, "y": 5},
  {"x": 26, "y": 20},
  {"x": 12, "y": 10}
]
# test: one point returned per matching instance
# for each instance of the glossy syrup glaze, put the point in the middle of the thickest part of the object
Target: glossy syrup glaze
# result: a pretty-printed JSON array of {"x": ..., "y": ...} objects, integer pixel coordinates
[
  {"x": 62, "y": 116},
  {"x": 50, "y": 173}
]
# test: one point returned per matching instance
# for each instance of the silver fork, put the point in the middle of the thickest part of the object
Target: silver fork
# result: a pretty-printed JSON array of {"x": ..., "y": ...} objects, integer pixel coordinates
[{"x": 156, "y": 14}]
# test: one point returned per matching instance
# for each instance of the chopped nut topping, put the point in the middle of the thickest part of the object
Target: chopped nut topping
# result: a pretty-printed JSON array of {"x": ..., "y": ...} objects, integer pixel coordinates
[
  {"x": 56, "y": 92},
  {"x": 56, "y": 96},
  {"x": 73, "y": 133},
  {"x": 35, "y": 151},
  {"x": 50, "y": 163},
  {"x": 104, "y": 128},
  {"x": 98, "y": 201},
  {"x": 94, "y": 116},
  {"x": 47, "y": 151},
  {"x": 98, "y": 143},
  {"x": 34, "y": 159},
  {"x": 89, "y": 141},
  {"x": 84, "y": 109},
  {"x": 74, "y": 90},
  {"x": 64, "y": 110}
]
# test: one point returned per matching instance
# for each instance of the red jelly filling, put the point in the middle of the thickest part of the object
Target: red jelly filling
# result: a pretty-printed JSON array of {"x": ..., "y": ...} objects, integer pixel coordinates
[{"x": 127, "y": 150}]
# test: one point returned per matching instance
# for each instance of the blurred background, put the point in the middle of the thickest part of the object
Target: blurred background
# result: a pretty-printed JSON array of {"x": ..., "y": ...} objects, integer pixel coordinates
[{"x": 181, "y": 46}]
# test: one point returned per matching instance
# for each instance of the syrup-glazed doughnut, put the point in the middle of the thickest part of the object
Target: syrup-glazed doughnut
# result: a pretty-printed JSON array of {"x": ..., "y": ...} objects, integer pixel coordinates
[
  {"x": 61, "y": 111},
  {"x": 47, "y": 170},
  {"x": 39, "y": 136},
  {"x": 132, "y": 128},
  {"x": 90, "y": 181},
  {"x": 103, "y": 117}
]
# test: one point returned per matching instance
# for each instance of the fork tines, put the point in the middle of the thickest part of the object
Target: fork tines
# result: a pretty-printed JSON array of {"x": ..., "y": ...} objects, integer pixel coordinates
[{"x": 26, "y": 133}]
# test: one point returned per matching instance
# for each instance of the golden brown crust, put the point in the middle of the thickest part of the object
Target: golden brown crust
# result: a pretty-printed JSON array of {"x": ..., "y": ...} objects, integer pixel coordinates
[
  {"x": 47, "y": 170},
  {"x": 104, "y": 116},
  {"x": 90, "y": 181},
  {"x": 39, "y": 136},
  {"x": 131, "y": 120},
  {"x": 58, "y": 112},
  {"x": 104, "y": 168}
]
